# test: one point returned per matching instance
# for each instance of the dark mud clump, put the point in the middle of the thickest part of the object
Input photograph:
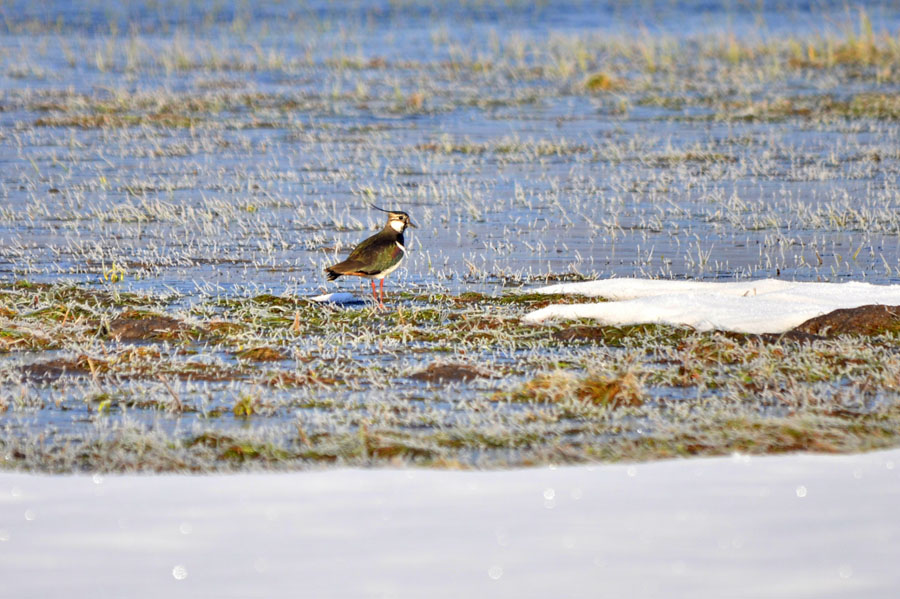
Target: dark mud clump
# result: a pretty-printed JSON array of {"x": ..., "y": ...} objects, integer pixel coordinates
[
  {"x": 870, "y": 320},
  {"x": 582, "y": 333},
  {"x": 137, "y": 326},
  {"x": 261, "y": 354},
  {"x": 54, "y": 369},
  {"x": 446, "y": 373},
  {"x": 617, "y": 336},
  {"x": 792, "y": 336}
]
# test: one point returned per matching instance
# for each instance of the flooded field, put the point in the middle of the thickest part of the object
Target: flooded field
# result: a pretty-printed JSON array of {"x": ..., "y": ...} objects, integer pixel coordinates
[{"x": 177, "y": 175}]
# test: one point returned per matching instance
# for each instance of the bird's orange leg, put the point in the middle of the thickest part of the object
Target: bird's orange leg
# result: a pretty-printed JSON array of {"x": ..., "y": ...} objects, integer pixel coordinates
[
  {"x": 381, "y": 289},
  {"x": 378, "y": 303}
]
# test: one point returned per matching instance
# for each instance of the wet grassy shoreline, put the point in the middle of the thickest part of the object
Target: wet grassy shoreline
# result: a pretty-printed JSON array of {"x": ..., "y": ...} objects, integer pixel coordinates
[{"x": 130, "y": 384}]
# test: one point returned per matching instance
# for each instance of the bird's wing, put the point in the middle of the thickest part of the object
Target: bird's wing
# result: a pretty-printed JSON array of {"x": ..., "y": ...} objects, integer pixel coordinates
[
  {"x": 364, "y": 249},
  {"x": 348, "y": 267},
  {"x": 377, "y": 253}
]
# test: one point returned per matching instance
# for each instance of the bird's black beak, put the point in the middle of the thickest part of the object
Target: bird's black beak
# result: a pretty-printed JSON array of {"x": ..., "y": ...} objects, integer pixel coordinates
[{"x": 411, "y": 224}]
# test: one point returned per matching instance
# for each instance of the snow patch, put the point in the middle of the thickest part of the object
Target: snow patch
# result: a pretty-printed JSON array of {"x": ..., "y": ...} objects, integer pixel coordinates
[
  {"x": 763, "y": 306},
  {"x": 336, "y": 298}
]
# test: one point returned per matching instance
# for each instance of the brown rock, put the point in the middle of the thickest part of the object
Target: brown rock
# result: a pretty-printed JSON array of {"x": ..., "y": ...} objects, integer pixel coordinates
[{"x": 875, "y": 319}]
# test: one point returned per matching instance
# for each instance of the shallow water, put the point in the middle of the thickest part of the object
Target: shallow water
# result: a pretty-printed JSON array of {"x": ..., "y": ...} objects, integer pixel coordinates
[{"x": 261, "y": 196}]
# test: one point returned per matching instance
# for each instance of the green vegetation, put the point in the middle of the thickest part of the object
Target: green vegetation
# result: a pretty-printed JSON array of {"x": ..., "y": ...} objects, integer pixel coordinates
[{"x": 463, "y": 383}]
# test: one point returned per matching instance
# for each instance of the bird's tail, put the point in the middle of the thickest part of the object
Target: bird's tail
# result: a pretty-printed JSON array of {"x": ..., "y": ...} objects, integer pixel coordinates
[{"x": 332, "y": 274}]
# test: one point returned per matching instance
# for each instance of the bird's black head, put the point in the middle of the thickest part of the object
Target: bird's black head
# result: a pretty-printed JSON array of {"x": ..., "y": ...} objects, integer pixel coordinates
[{"x": 397, "y": 220}]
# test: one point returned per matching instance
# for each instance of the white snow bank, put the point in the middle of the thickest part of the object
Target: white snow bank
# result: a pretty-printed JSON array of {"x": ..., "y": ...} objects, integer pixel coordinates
[
  {"x": 765, "y": 306},
  {"x": 336, "y": 298},
  {"x": 785, "y": 526}
]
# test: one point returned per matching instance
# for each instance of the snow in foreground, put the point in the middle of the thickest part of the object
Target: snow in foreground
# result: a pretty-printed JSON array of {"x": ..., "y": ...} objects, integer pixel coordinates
[
  {"x": 764, "y": 306},
  {"x": 787, "y": 526}
]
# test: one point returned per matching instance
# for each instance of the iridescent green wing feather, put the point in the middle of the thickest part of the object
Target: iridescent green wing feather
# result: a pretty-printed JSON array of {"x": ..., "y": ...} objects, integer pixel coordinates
[{"x": 377, "y": 253}]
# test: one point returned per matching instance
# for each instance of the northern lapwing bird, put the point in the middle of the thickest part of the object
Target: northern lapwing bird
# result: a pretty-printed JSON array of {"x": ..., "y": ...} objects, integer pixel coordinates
[{"x": 378, "y": 256}]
